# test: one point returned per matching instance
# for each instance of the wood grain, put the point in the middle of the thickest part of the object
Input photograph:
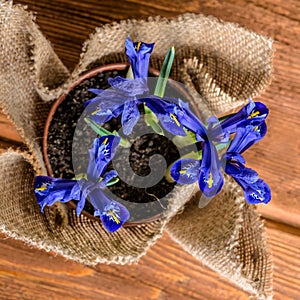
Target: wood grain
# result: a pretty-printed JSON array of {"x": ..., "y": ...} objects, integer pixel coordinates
[{"x": 166, "y": 272}]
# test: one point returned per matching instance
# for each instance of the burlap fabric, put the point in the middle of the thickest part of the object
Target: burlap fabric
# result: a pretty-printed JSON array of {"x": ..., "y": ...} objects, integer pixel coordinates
[{"x": 221, "y": 61}]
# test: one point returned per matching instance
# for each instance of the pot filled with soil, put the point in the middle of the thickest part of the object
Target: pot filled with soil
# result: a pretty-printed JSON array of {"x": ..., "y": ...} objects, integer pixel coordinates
[{"x": 68, "y": 136}]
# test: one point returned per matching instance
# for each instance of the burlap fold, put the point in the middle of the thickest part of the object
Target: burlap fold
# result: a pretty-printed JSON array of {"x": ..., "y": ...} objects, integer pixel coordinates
[
  {"x": 227, "y": 236},
  {"x": 221, "y": 63}
]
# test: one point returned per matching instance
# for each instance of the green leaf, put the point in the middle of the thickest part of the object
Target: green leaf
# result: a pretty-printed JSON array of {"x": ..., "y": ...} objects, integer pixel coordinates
[
  {"x": 164, "y": 73},
  {"x": 104, "y": 132},
  {"x": 97, "y": 128},
  {"x": 182, "y": 141},
  {"x": 112, "y": 181},
  {"x": 152, "y": 121}
]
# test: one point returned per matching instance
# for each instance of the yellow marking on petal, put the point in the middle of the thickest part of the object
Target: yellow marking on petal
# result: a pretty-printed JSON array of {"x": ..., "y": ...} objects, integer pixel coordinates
[
  {"x": 254, "y": 114},
  {"x": 210, "y": 181},
  {"x": 173, "y": 117},
  {"x": 114, "y": 217},
  {"x": 182, "y": 172},
  {"x": 105, "y": 141},
  {"x": 255, "y": 128},
  {"x": 261, "y": 198},
  {"x": 137, "y": 47},
  {"x": 95, "y": 112},
  {"x": 42, "y": 188}
]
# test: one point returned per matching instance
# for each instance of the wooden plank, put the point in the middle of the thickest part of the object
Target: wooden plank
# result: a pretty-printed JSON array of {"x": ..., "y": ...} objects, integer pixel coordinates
[
  {"x": 166, "y": 272},
  {"x": 8, "y": 130}
]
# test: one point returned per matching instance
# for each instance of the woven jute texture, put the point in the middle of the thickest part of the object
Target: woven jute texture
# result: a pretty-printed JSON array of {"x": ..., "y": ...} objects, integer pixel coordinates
[
  {"x": 221, "y": 63},
  {"x": 230, "y": 239}
]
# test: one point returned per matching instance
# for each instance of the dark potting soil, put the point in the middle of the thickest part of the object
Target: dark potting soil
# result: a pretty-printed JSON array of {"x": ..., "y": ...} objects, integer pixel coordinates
[{"x": 142, "y": 202}]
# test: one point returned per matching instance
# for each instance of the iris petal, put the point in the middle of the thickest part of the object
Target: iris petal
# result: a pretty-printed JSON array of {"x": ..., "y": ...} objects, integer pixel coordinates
[
  {"x": 130, "y": 117},
  {"x": 138, "y": 55},
  {"x": 84, "y": 190},
  {"x": 112, "y": 214},
  {"x": 253, "y": 113},
  {"x": 246, "y": 137},
  {"x": 167, "y": 114},
  {"x": 239, "y": 172},
  {"x": 258, "y": 192},
  {"x": 101, "y": 153},
  {"x": 189, "y": 120},
  {"x": 103, "y": 116},
  {"x": 210, "y": 178},
  {"x": 49, "y": 190},
  {"x": 255, "y": 189},
  {"x": 109, "y": 176},
  {"x": 215, "y": 130},
  {"x": 233, "y": 156},
  {"x": 185, "y": 171},
  {"x": 129, "y": 87},
  {"x": 109, "y": 99}
]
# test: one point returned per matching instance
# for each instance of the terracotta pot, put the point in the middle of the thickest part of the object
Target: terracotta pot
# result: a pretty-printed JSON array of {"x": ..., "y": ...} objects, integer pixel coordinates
[{"x": 56, "y": 104}]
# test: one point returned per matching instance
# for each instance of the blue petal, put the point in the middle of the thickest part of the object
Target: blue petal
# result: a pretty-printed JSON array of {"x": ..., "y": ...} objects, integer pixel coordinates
[
  {"x": 239, "y": 172},
  {"x": 108, "y": 99},
  {"x": 112, "y": 214},
  {"x": 129, "y": 87},
  {"x": 101, "y": 154},
  {"x": 167, "y": 114},
  {"x": 215, "y": 130},
  {"x": 92, "y": 103},
  {"x": 210, "y": 178},
  {"x": 130, "y": 116},
  {"x": 109, "y": 176},
  {"x": 138, "y": 55},
  {"x": 253, "y": 112},
  {"x": 258, "y": 192},
  {"x": 84, "y": 190},
  {"x": 255, "y": 189},
  {"x": 101, "y": 116},
  {"x": 189, "y": 120},
  {"x": 95, "y": 99},
  {"x": 233, "y": 156},
  {"x": 49, "y": 190},
  {"x": 246, "y": 137},
  {"x": 185, "y": 171},
  {"x": 96, "y": 91}
]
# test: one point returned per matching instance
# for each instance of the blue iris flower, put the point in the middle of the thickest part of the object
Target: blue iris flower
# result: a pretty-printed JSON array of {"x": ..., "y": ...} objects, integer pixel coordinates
[
  {"x": 166, "y": 110},
  {"x": 255, "y": 189},
  {"x": 209, "y": 175},
  {"x": 254, "y": 113},
  {"x": 138, "y": 54},
  {"x": 49, "y": 190},
  {"x": 249, "y": 126},
  {"x": 122, "y": 96}
]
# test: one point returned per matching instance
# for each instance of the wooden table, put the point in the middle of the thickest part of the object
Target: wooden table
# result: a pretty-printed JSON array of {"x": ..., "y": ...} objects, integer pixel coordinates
[{"x": 167, "y": 272}]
